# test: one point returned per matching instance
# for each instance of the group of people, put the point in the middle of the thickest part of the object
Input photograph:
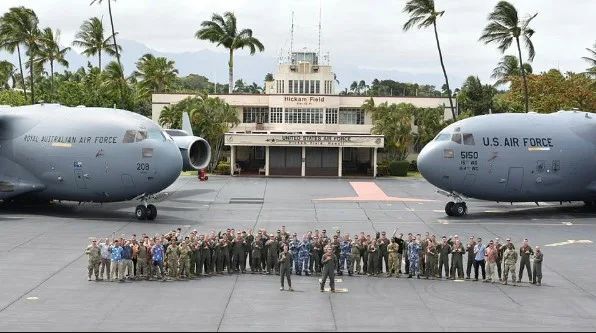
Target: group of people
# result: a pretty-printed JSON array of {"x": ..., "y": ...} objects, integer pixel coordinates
[{"x": 175, "y": 256}]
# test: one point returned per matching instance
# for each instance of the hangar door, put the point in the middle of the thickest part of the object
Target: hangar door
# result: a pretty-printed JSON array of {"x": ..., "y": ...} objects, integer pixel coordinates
[
  {"x": 285, "y": 161},
  {"x": 322, "y": 161}
]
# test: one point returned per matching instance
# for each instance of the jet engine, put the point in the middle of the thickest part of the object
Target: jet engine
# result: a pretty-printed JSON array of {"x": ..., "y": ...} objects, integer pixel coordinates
[{"x": 196, "y": 152}]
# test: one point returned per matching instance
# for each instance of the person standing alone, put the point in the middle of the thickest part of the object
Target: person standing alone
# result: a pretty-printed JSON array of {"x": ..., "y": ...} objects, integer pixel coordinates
[{"x": 285, "y": 264}]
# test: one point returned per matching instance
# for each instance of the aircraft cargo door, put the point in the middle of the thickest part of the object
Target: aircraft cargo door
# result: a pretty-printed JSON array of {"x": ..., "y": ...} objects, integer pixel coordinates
[{"x": 515, "y": 180}]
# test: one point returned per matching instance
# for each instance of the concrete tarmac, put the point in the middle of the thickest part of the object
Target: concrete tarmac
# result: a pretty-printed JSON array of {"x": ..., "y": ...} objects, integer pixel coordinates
[{"x": 44, "y": 287}]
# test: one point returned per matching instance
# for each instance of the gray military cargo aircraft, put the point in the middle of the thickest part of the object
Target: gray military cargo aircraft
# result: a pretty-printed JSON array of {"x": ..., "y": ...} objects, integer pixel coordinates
[
  {"x": 514, "y": 157},
  {"x": 53, "y": 152}
]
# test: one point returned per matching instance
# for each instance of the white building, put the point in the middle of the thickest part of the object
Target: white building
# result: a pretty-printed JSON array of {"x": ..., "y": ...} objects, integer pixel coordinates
[{"x": 300, "y": 127}]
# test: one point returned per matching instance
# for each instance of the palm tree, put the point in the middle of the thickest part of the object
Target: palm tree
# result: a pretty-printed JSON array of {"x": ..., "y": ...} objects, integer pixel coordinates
[
  {"x": 592, "y": 61},
  {"x": 7, "y": 72},
  {"x": 115, "y": 44},
  {"x": 92, "y": 39},
  {"x": 155, "y": 74},
  {"x": 507, "y": 68},
  {"x": 10, "y": 40},
  {"x": 423, "y": 14},
  {"x": 114, "y": 78},
  {"x": 50, "y": 51},
  {"x": 224, "y": 32},
  {"x": 505, "y": 27},
  {"x": 25, "y": 28}
]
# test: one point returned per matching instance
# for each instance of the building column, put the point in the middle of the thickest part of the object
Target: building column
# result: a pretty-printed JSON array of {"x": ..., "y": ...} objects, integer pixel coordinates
[
  {"x": 232, "y": 159},
  {"x": 375, "y": 163},
  {"x": 303, "y": 172},
  {"x": 266, "y": 160},
  {"x": 340, "y": 160}
]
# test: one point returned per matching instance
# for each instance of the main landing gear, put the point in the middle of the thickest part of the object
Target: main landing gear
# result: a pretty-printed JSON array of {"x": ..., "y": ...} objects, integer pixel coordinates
[
  {"x": 456, "y": 208},
  {"x": 145, "y": 211}
]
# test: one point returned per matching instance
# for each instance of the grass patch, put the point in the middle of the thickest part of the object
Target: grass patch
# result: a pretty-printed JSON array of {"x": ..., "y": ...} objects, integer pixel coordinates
[
  {"x": 189, "y": 173},
  {"x": 411, "y": 174}
]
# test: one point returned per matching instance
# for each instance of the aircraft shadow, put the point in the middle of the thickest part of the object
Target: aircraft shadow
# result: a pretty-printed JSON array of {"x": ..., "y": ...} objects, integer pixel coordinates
[{"x": 501, "y": 212}]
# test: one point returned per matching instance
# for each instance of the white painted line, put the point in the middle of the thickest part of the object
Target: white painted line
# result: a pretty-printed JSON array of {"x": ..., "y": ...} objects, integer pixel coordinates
[
  {"x": 567, "y": 223},
  {"x": 32, "y": 298},
  {"x": 571, "y": 241},
  {"x": 443, "y": 221}
]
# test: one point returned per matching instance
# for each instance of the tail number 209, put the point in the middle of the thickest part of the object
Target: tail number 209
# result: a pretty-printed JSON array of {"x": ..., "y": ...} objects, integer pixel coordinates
[{"x": 142, "y": 166}]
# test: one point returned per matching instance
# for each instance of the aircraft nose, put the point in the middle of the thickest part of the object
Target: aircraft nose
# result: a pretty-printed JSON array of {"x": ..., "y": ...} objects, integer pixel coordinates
[{"x": 428, "y": 163}]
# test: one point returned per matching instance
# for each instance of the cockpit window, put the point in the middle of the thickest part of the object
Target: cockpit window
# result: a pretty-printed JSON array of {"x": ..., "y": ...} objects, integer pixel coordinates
[
  {"x": 442, "y": 137},
  {"x": 456, "y": 138},
  {"x": 468, "y": 139},
  {"x": 129, "y": 136},
  {"x": 157, "y": 135},
  {"x": 141, "y": 135}
]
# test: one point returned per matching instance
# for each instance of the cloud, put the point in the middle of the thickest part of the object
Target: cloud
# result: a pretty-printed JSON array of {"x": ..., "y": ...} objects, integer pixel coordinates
[{"x": 366, "y": 34}]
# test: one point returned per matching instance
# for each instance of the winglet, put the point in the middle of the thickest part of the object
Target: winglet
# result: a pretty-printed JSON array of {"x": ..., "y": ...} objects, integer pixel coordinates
[{"x": 186, "y": 123}]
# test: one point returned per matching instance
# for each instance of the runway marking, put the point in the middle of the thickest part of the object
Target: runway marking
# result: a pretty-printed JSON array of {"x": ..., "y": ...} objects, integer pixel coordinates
[
  {"x": 443, "y": 221},
  {"x": 571, "y": 241},
  {"x": 337, "y": 290},
  {"x": 567, "y": 223},
  {"x": 369, "y": 191},
  {"x": 32, "y": 298},
  {"x": 336, "y": 280}
]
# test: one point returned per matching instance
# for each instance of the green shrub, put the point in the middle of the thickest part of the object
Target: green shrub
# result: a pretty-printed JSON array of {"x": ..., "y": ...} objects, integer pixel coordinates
[
  {"x": 382, "y": 169},
  {"x": 223, "y": 169},
  {"x": 413, "y": 166},
  {"x": 399, "y": 168}
]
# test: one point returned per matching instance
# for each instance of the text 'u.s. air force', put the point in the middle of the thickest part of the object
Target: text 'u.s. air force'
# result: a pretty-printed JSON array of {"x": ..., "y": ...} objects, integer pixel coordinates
[{"x": 517, "y": 142}]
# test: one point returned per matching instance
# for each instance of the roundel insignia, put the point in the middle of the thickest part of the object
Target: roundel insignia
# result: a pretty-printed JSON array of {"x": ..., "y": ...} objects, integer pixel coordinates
[
  {"x": 230, "y": 138},
  {"x": 378, "y": 140}
]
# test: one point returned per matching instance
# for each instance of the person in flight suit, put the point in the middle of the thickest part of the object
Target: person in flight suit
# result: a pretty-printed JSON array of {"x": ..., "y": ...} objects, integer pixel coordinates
[
  {"x": 355, "y": 256},
  {"x": 392, "y": 252},
  {"x": 525, "y": 251},
  {"x": 443, "y": 251},
  {"x": 285, "y": 264},
  {"x": 537, "y": 269},
  {"x": 457, "y": 260},
  {"x": 328, "y": 269},
  {"x": 257, "y": 245}
]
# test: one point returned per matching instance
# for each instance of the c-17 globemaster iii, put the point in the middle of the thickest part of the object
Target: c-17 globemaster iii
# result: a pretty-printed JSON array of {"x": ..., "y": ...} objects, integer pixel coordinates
[
  {"x": 514, "y": 157},
  {"x": 54, "y": 152}
]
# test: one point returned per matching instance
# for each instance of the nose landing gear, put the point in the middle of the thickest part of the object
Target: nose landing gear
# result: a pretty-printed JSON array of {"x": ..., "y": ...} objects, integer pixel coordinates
[{"x": 456, "y": 208}]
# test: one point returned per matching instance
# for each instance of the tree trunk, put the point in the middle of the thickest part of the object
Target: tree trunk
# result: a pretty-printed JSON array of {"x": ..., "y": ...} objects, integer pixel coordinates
[
  {"x": 521, "y": 65},
  {"x": 99, "y": 56},
  {"x": 22, "y": 74},
  {"x": 116, "y": 49},
  {"x": 231, "y": 72},
  {"x": 52, "y": 80},
  {"x": 31, "y": 79},
  {"x": 444, "y": 71}
]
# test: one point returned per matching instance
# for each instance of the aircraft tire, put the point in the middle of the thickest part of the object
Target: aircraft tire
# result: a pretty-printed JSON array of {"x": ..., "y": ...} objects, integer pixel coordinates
[
  {"x": 448, "y": 208},
  {"x": 141, "y": 212},
  {"x": 151, "y": 212},
  {"x": 458, "y": 209}
]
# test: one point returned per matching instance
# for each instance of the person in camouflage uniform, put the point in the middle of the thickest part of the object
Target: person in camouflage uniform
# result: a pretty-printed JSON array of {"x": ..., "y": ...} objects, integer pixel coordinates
[
  {"x": 345, "y": 252},
  {"x": 414, "y": 249},
  {"x": 431, "y": 259},
  {"x": 143, "y": 259},
  {"x": 94, "y": 259},
  {"x": 184, "y": 260},
  {"x": 457, "y": 260},
  {"x": 172, "y": 256},
  {"x": 303, "y": 256},
  {"x": 355, "y": 256},
  {"x": 294, "y": 247},
  {"x": 272, "y": 253},
  {"x": 509, "y": 260},
  {"x": 392, "y": 255}
]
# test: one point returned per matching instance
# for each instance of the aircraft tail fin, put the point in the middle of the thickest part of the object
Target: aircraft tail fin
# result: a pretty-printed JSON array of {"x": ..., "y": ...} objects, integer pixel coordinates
[{"x": 186, "y": 123}]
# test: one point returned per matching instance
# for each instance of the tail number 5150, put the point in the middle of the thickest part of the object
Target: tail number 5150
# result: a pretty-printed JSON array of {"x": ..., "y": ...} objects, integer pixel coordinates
[
  {"x": 470, "y": 155},
  {"x": 142, "y": 166}
]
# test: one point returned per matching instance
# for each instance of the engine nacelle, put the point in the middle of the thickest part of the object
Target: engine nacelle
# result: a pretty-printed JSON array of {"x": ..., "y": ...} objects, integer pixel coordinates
[{"x": 196, "y": 152}]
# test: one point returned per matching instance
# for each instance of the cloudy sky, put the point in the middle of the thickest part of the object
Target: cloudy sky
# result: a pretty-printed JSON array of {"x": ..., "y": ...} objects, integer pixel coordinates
[{"x": 367, "y": 34}]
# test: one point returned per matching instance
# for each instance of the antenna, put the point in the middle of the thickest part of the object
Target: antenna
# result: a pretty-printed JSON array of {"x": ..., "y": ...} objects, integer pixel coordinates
[
  {"x": 319, "y": 51},
  {"x": 292, "y": 36}
]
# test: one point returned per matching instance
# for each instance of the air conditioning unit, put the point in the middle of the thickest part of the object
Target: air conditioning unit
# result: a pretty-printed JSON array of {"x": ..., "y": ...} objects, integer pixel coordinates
[
  {"x": 315, "y": 67},
  {"x": 293, "y": 67}
]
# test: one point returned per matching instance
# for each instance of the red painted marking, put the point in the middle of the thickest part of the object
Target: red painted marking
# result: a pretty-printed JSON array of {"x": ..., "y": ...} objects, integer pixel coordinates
[{"x": 370, "y": 191}]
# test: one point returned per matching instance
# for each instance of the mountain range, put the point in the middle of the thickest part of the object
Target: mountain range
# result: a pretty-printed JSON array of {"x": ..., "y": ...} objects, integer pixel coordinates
[{"x": 214, "y": 65}]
